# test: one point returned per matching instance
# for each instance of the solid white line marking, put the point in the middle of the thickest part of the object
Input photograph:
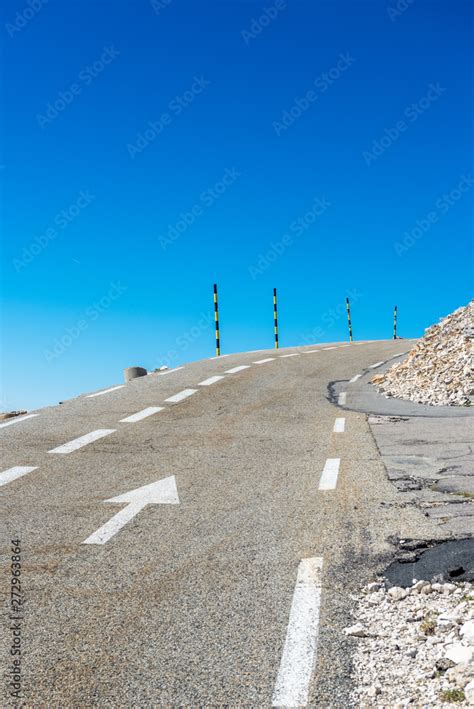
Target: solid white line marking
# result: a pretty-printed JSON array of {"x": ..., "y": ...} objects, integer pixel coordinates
[
  {"x": 339, "y": 425},
  {"x": 142, "y": 414},
  {"x": 181, "y": 395},
  {"x": 169, "y": 371},
  {"x": 294, "y": 354},
  {"x": 299, "y": 651},
  {"x": 329, "y": 475},
  {"x": 377, "y": 364},
  {"x": 161, "y": 492},
  {"x": 341, "y": 399},
  {"x": 83, "y": 440},
  {"x": 211, "y": 380},
  {"x": 234, "y": 370},
  {"x": 354, "y": 379},
  {"x": 262, "y": 361},
  {"x": 13, "y": 473},
  {"x": 17, "y": 419},
  {"x": 105, "y": 391}
]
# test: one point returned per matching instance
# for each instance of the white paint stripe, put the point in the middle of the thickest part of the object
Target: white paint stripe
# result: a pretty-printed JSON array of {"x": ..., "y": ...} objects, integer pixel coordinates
[
  {"x": 211, "y": 380},
  {"x": 181, "y": 395},
  {"x": 238, "y": 369},
  {"x": 105, "y": 391},
  {"x": 169, "y": 371},
  {"x": 294, "y": 354},
  {"x": 310, "y": 351},
  {"x": 113, "y": 525},
  {"x": 17, "y": 419},
  {"x": 341, "y": 399},
  {"x": 142, "y": 414},
  {"x": 220, "y": 356},
  {"x": 329, "y": 475},
  {"x": 262, "y": 361},
  {"x": 299, "y": 652},
  {"x": 377, "y": 364},
  {"x": 329, "y": 348},
  {"x": 354, "y": 379},
  {"x": 339, "y": 425},
  {"x": 83, "y": 440},
  {"x": 13, "y": 473}
]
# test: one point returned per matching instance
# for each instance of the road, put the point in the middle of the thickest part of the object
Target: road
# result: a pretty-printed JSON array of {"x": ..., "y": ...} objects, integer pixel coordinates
[{"x": 228, "y": 583}]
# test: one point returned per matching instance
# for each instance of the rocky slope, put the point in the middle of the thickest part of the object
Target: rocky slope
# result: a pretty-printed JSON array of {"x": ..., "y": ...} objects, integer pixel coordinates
[
  {"x": 439, "y": 370},
  {"x": 414, "y": 647}
]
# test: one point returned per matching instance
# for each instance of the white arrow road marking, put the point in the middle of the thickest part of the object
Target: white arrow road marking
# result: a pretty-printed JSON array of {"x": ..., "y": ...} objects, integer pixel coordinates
[
  {"x": 354, "y": 379},
  {"x": 142, "y": 414},
  {"x": 83, "y": 440},
  {"x": 339, "y": 425},
  {"x": 13, "y": 473},
  {"x": 262, "y": 361},
  {"x": 341, "y": 399},
  {"x": 211, "y": 380},
  {"x": 293, "y": 354},
  {"x": 234, "y": 370},
  {"x": 17, "y": 419},
  {"x": 329, "y": 475},
  {"x": 105, "y": 391},
  {"x": 161, "y": 492},
  {"x": 299, "y": 651},
  {"x": 377, "y": 364},
  {"x": 181, "y": 395}
]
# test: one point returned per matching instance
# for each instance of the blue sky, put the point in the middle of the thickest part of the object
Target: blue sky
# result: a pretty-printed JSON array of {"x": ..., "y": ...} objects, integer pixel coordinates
[{"x": 151, "y": 149}]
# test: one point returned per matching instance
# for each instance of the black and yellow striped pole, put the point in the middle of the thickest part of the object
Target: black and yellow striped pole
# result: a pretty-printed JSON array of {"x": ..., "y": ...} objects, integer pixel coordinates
[
  {"x": 395, "y": 323},
  {"x": 275, "y": 317},
  {"x": 349, "y": 323},
  {"x": 216, "y": 316}
]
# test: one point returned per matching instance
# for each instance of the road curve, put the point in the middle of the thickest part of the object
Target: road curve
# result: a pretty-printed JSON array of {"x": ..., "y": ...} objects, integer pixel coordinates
[{"x": 228, "y": 583}]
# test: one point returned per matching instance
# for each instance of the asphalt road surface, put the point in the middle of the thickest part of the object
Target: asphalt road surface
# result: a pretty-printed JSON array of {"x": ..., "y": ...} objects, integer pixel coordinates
[{"x": 225, "y": 584}]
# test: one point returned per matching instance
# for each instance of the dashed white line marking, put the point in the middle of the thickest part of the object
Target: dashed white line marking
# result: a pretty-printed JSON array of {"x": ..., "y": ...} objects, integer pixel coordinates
[
  {"x": 299, "y": 651},
  {"x": 170, "y": 371},
  {"x": 17, "y": 419},
  {"x": 234, "y": 370},
  {"x": 149, "y": 411},
  {"x": 329, "y": 348},
  {"x": 293, "y": 354},
  {"x": 219, "y": 356},
  {"x": 181, "y": 395},
  {"x": 341, "y": 399},
  {"x": 354, "y": 379},
  {"x": 211, "y": 380},
  {"x": 310, "y": 351},
  {"x": 329, "y": 475},
  {"x": 105, "y": 391},
  {"x": 262, "y": 361},
  {"x": 339, "y": 425},
  {"x": 377, "y": 364},
  {"x": 83, "y": 441},
  {"x": 13, "y": 473}
]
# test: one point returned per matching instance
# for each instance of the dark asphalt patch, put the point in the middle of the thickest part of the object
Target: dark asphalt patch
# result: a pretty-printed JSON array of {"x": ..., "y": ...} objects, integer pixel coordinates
[{"x": 446, "y": 561}]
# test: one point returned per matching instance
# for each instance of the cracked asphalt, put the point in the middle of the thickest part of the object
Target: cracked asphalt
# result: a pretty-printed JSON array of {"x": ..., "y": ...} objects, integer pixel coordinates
[{"x": 188, "y": 604}]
